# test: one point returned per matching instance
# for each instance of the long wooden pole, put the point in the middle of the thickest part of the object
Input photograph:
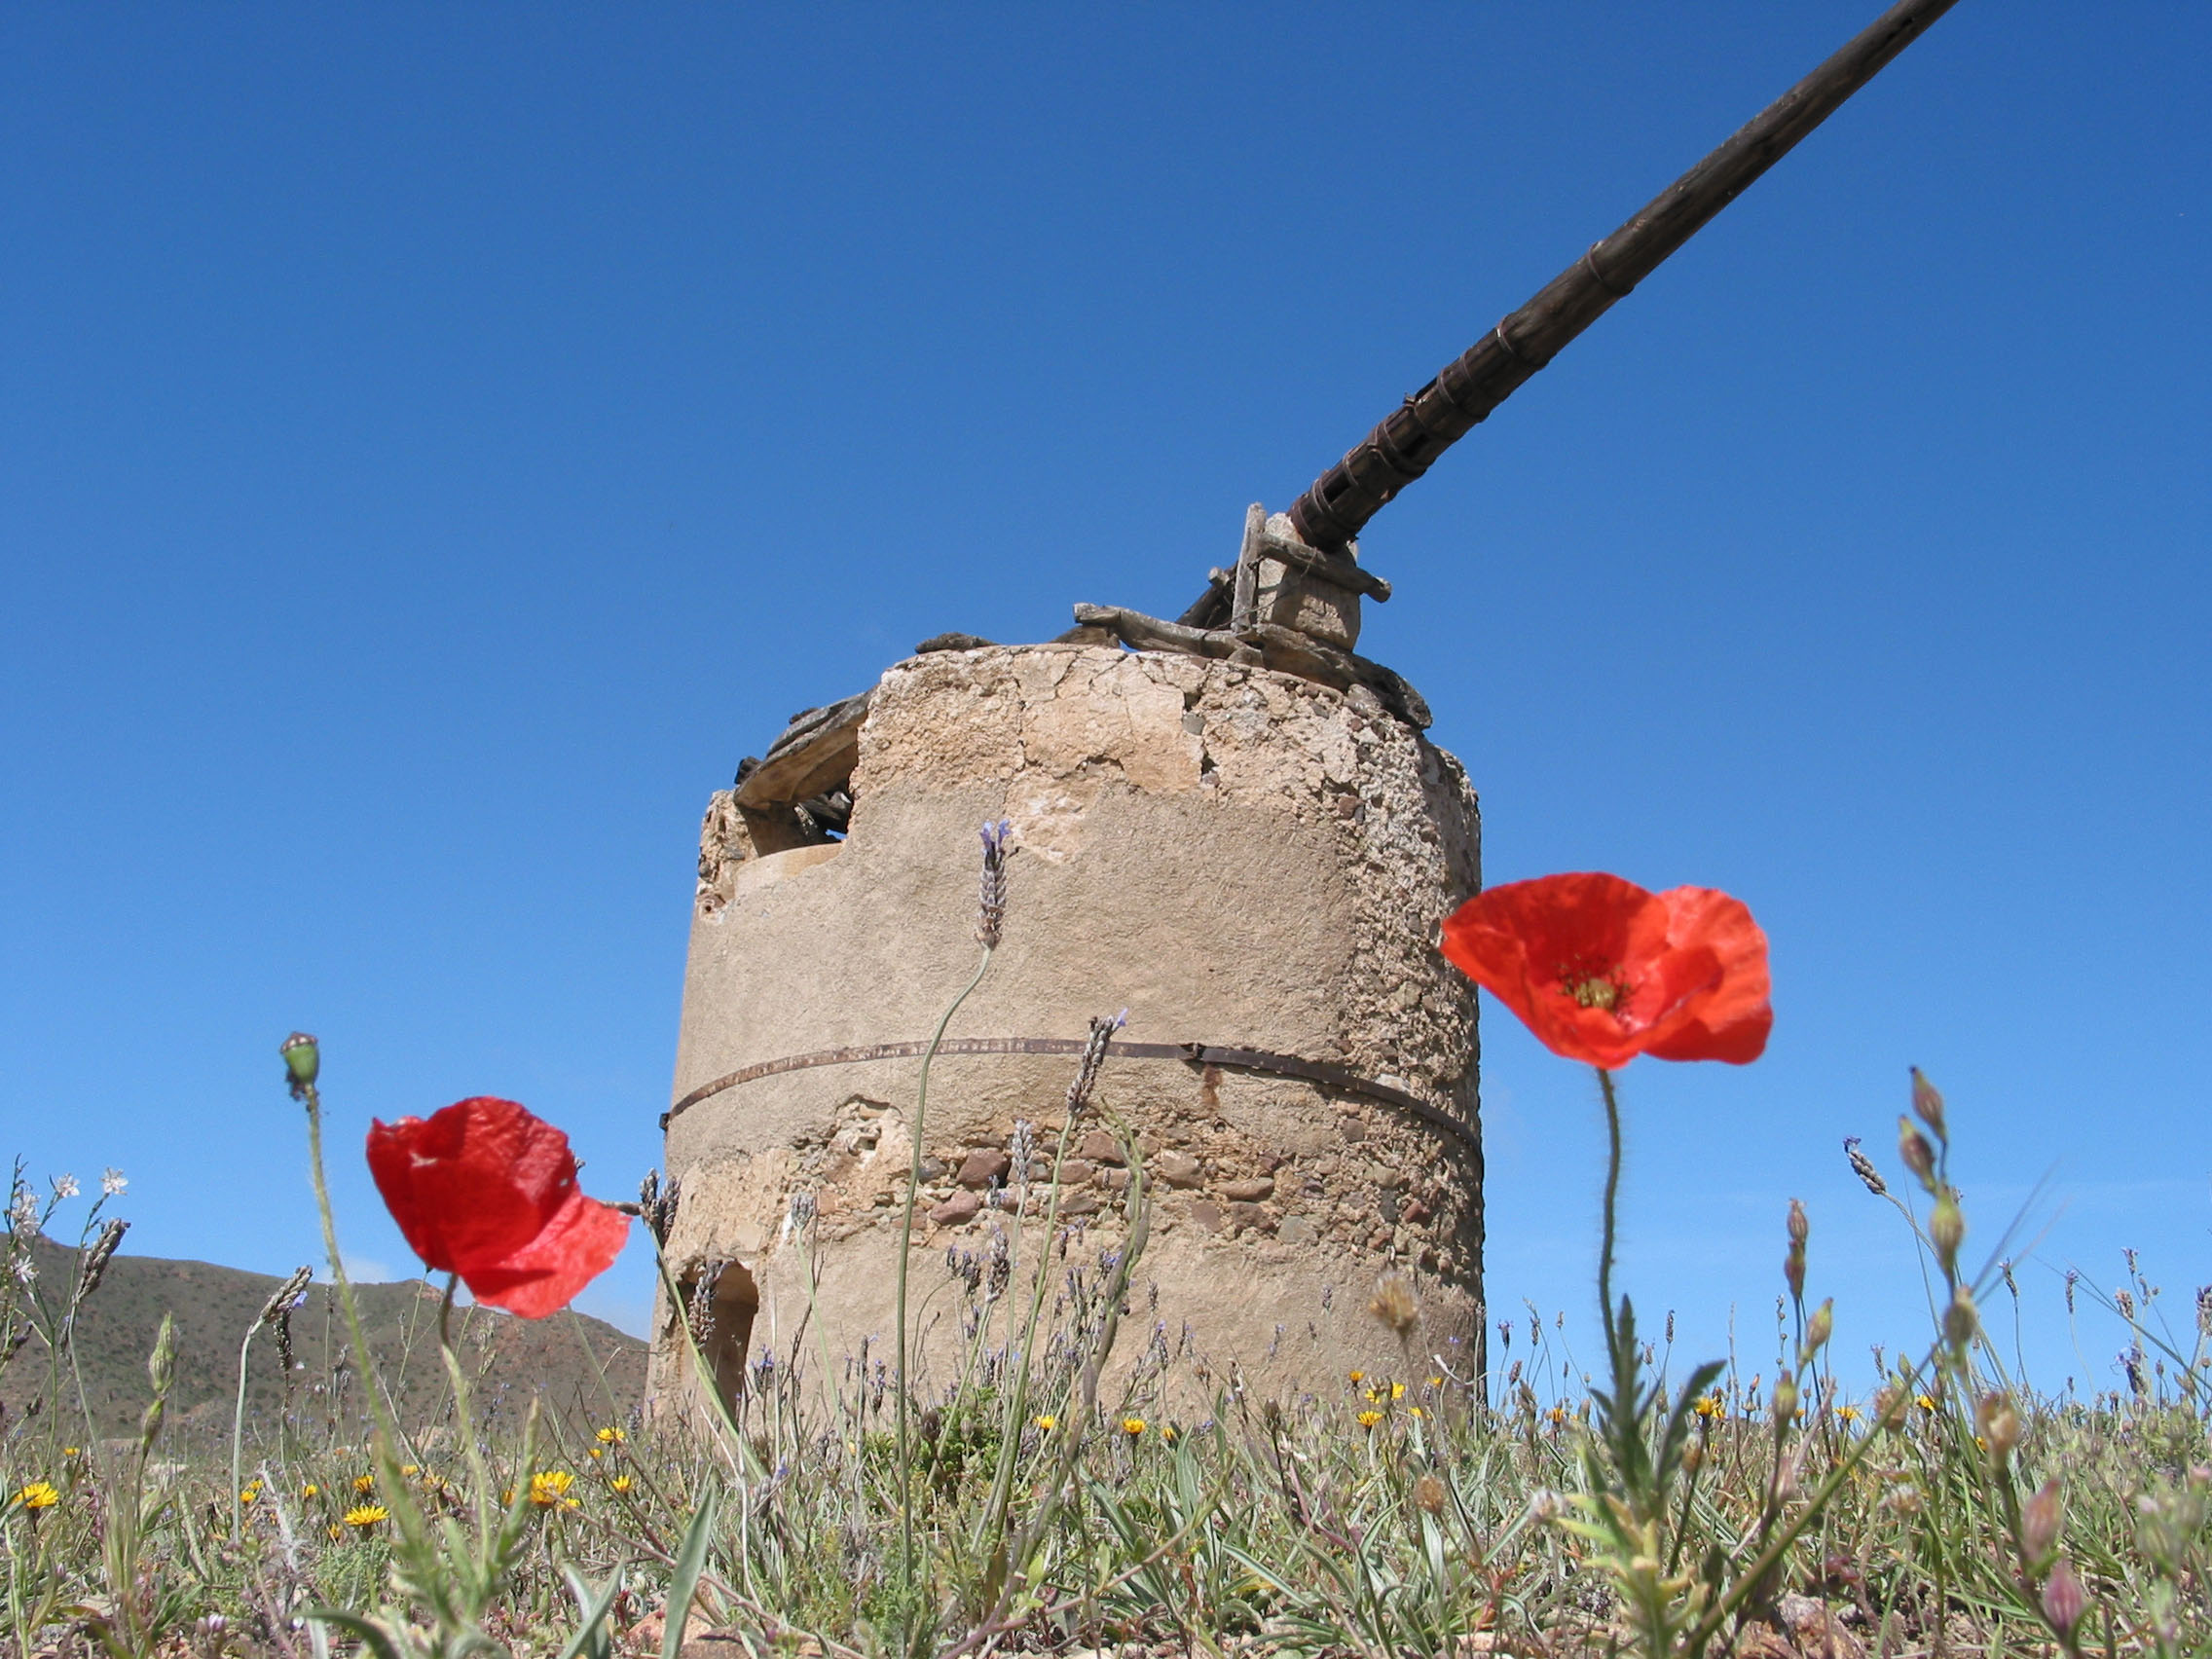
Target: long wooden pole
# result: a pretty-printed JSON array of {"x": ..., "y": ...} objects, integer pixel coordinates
[{"x": 1409, "y": 439}]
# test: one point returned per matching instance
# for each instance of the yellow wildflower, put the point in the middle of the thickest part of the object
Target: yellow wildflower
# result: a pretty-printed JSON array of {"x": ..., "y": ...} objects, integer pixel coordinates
[
  {"x": 549, "y": 1487},
  {"x": 1167, "y": 1433},
  {"x": 1368, "y": 1420},
  {"x": 251, "y": 1491},
  {"x": 366, "y": 1515},
  {"x": 1132, "y": 1427},
  {"x": 1847, "y": 1414},
  {"x": 1397, "y": 1390},
  {"x": 364, "y": 1483},
  {"x": 310, "y": 1489},
  {"x": 1557, "y": 1414},
  {"x": 1926, "y": 1401},
  {"x": 596, "y": 1453},
  {"x": 1048, "y": 1422},
  {"x": 38, "y": 1495},
  {"x": 1417, "y": 1410},
  {"x": 620, "y": 1482},
  {"x": 1357, "y": 1378},
  {"x": 1708, "y": 1405},
  {"x": 611, "y": 1437},
  {"x": 336, "y": 1531},
  {"x": 410, "y": 1468},
  {"x": 1436, "y": 1382},
  {"x": 72, "y": 1451}
]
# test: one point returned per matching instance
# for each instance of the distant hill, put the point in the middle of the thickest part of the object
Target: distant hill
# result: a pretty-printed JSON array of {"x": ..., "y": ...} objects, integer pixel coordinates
[{"x": 560, "y": 1359}]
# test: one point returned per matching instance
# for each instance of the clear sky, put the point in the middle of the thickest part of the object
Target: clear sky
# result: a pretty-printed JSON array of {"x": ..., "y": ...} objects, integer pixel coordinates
[{"x": 436, "y": 443}]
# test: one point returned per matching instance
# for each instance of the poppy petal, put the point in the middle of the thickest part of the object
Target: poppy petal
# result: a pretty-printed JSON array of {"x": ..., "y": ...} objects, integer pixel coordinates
[
  {"x": 1731, "y": 1021},
  {"x": 579, "y": 1244},
  {"x": 1679, "y": 975},
  {"x": 487, "y": 1189}
]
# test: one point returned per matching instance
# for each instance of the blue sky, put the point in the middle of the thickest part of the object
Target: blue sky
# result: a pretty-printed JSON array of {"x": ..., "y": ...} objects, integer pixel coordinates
[{"x": 436, "y": 443}]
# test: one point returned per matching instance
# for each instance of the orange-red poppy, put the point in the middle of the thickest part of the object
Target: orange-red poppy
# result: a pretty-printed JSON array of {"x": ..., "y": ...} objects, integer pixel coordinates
[
  {"x": 1601, "y": 970},
  {"x": 487, "y": 1189}
]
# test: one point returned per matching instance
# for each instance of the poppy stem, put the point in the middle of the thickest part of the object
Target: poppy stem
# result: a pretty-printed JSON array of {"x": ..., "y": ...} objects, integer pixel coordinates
[
  {"x": 1612, "y": 1198},
  {"x": 445, "y": 1314}
]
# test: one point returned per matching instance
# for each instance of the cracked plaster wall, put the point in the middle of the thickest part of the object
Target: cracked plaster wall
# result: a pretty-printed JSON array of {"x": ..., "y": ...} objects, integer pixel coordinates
[{"x": 1236, "y": 856}]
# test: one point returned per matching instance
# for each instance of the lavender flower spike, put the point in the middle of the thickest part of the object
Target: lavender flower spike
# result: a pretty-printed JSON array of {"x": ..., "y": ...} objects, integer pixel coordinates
[{"x": 991, "y": 912}]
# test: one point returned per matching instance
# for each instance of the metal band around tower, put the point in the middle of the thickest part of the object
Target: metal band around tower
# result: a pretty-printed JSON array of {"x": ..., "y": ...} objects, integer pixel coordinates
[{"x": 1189, "y": 1054}]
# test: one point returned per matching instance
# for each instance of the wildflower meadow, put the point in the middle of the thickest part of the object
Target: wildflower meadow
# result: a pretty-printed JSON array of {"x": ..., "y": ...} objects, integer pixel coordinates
[{"x": 1051, "y": 1495}]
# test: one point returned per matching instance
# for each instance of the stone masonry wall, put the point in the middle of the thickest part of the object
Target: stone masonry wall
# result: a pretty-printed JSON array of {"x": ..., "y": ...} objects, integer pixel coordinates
[{"x": 1238, "y": 856}]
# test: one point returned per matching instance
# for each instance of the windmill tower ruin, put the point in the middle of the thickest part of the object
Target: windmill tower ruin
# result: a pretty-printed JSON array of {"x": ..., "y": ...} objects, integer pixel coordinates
[{"x": 1232, "y": 824}]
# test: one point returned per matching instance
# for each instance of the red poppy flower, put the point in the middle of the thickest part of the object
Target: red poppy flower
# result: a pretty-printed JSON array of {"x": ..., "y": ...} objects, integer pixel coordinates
[
  {"x": 1601, "y": 970},
  {"x": 487, "y": 1189}
]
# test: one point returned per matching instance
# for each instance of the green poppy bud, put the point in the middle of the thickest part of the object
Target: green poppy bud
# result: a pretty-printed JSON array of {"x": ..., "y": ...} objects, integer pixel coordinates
[{"x": 303, "y": 1060}]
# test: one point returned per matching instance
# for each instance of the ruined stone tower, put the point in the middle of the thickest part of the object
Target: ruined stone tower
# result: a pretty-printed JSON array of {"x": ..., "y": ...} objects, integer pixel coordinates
[
  {"x": 1251, "y": 861},
  {"x": 1230, "y": 825}
]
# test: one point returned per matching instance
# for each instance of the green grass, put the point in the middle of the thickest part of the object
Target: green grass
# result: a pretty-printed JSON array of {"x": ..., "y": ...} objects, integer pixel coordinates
[{"x": 1391, "y": 1515}]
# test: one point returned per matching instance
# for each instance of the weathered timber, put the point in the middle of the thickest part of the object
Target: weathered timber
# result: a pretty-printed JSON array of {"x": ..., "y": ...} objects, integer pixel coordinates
[
  {"x": 1284, "y": 649},
  {"x": 1290, "y": 651},
  {"x": 954, "y": 642},
  {"x": 1210, "y": 609},
  {"x": 1248, "y": 566},
  {"x": 1133, "y": 627},
  {"x": 815, "y": 754},
  {"x": 809, "y": 723},
  {"x": 1338, "y": 570},
  {"x": 1411, "y": 437}
]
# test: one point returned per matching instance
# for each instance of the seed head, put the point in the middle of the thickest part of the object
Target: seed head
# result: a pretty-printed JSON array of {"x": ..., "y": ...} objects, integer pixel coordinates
[
  {"x": 1429, "y": 1495},
  {"x": 1394, "y": 1303},
  {"x": 99, "y": 1256},
  {"x": 2039, "y": 1523},
  {"x": 1947, "y": 1229},
  {"x": 1863, "y": 1166},
  {"x": 1961, "y": 1320},
  {"x": 1800, "y": 1225},
  {"x": 991, "y": 908},
  {"x": 1820, "y": 1327},
  {"x": 1998, "y": 1425},
  {"x": 285, "y": 1297},
  {"x": 1093, "y": 1060},
  {"x": 1927, "y": 1104},
  {"x": 2063, "y": 1600},
  {"x": 1919, "y": 1157}
]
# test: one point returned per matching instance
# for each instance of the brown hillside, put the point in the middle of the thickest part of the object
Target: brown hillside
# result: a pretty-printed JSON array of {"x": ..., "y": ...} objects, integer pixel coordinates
[{"x": 562, "y": 1359}]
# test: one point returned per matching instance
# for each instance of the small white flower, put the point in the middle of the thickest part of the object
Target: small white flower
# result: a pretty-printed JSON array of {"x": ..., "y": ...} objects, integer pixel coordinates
[
  {"x": 1547, "y": 1505},
  {"x": 64, "y": 1187},
  {"x": 113, "y": 1182},
  {"x": 23, "y": 1213},
  {"x": 25, "y": 1271}
]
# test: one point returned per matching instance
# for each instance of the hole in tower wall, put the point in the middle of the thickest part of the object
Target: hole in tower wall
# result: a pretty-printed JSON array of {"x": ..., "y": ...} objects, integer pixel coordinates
[{"x": 720, "y": 1299}]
